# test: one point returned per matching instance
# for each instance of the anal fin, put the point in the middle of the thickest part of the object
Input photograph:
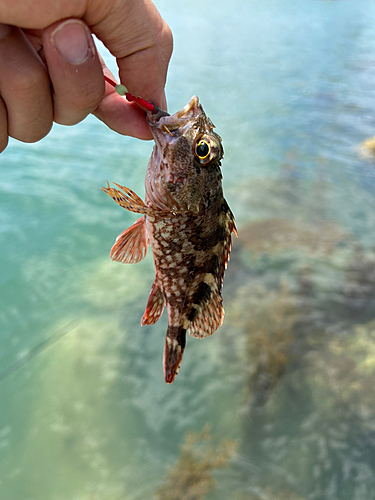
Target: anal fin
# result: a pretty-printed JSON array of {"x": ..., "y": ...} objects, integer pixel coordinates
[
  {"x": 155, "y": 306},
  {"x": 131, "y": 245}
]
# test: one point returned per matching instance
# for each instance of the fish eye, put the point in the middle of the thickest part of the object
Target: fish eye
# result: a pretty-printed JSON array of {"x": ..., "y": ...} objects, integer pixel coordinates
[
  {"x": 207, "y": 149},
  {"x": 202, "y": 149}
]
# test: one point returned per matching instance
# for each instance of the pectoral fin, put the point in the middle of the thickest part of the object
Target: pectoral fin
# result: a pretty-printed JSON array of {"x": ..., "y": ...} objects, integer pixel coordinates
[
  {"x": 126, "y": 198},
  {"x": 131, "y": 245},
  {"x": 155, "y": 306}
]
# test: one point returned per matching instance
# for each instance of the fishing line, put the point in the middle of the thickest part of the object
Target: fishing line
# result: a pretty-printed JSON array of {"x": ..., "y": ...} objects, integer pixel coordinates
[{"x": 38, "y": 349}]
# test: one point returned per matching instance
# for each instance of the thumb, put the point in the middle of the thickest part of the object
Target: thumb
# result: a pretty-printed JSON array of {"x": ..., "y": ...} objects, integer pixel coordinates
[
  {"x": 141, "y": 41},
  {"x": 75, "y": 70}
]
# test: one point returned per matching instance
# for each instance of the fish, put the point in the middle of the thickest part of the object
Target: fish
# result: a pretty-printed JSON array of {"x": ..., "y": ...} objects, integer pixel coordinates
[{"x": 188, "y": 224}]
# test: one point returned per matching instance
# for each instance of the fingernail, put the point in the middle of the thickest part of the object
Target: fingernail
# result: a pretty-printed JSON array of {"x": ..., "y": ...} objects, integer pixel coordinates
[{"x": 73, "y": 41}]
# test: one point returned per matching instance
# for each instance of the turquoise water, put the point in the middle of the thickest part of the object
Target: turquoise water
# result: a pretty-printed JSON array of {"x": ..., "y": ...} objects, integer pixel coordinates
[{"x": 286, "y": 385}]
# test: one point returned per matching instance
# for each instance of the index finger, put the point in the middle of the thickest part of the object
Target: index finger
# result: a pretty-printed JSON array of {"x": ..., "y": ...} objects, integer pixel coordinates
[{"x": 142, "y": 43}]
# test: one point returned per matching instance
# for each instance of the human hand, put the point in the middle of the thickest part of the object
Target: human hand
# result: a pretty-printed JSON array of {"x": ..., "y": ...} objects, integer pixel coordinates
[{"x": 50, "y": 69}]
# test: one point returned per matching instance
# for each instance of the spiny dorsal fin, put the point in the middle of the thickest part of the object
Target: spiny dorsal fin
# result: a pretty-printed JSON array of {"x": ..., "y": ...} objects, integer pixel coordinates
[
  {"x": 155, "y": 306},
  {"x": 232, "y": 223},
  {"x": 131, "y": 245}
]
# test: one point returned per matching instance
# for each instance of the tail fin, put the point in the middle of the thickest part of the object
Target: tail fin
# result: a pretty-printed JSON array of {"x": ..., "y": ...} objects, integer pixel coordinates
[{"x": 173, "y": 350}]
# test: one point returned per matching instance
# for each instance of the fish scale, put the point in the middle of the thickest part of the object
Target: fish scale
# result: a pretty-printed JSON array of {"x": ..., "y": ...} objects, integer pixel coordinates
[{"x": 188, "y": 224}]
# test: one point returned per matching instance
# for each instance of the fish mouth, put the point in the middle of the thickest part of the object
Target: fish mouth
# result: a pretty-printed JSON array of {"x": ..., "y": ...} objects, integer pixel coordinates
[
  {"x": 165, "y": 128},
  {"x": 189, "y": 109}
]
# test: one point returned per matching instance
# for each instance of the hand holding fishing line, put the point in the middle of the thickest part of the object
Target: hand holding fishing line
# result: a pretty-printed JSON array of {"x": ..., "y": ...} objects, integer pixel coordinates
[{"x": 50, "y": 69}]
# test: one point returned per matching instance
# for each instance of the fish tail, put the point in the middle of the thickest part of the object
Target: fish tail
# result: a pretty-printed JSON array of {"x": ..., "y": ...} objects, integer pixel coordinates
[{"x": 173, "y": 350}]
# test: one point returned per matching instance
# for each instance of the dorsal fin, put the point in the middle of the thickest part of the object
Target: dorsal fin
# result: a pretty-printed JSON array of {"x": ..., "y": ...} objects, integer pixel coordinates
[
  {"x": 228, "y": 243},
  {"x": 208, "y": 316},
  {"x": 131, "y": 244},
  {"x": 155, "y": 305}
]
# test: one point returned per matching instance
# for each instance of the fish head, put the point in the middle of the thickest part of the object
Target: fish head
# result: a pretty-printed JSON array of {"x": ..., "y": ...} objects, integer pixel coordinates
[{"x": 186, "y": 147}]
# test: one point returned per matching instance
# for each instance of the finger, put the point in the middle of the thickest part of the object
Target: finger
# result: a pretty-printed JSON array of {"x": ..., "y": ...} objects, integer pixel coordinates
[
  {"x": 3, "y": 126},
  {"x": 132, "y": 30},
  {"x": 75, "y": 70},
  {"x": 119, "y": 114},
  {"x": 140, "y": 40},
  {"x": 24, "y": 87}
]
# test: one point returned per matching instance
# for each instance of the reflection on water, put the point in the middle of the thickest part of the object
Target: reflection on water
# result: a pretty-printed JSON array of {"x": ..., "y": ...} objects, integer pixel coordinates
[{"x": 286, "y": 385}]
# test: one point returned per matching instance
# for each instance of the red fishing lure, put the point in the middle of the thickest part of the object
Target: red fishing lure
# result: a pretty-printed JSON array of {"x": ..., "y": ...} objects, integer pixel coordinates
[{"x": 148, "y": 106}]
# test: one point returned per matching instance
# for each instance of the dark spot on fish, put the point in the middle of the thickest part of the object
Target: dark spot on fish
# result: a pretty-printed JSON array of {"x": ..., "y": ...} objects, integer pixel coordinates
[
  {"x": 197, "y": 169},
  {"x": 218, "y": 235},
  {"x": 202, "y": 293},
  {"x": 224, "y": 208},
  {"x": 209, "y": 240},
  {"x": 200, "y": 243},
  {"x": 192, "y": 314},
  {"x": 178, "y": 333},
  {"x": 212, "y": 265},
  {"x": 173, "y": 355}
]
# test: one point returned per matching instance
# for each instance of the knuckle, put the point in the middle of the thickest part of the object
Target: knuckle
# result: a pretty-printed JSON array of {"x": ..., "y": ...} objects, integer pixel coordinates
[
  {"x": 89, "y": 97},
  {"x": 3, "y": 142},
  {"x": 30, "y": 82},
  {"x": 72, "y": 109},
  {"x": 161, "y": 40},
  {"x": 31, "y": 131},
  {"x": 3, "y": 126},
  {"x": 68, "y": 119},
  {"x": 166, "y": 40}
]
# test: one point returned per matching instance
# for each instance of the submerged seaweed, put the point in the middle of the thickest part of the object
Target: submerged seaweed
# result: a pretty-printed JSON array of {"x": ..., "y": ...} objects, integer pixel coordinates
[
  {"x": 267, "y": 319},
  {"x": 276, "y": 235},
  {"x": 192, "y": 476},
  {"x": 306, "y": 310},
  {"x": 359, "y": 287}
]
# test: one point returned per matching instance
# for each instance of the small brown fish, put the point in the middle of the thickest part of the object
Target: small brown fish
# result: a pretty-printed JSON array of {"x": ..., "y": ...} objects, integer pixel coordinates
[{"x": 188, "y": 224}]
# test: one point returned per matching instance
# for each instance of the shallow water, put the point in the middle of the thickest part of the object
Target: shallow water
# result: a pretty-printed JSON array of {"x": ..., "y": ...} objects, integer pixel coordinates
[{"x": 286, "y": 385}]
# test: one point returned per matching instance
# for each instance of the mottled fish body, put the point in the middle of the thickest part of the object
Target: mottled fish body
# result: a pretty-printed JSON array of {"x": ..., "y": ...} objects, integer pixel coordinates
[{"x": 188, "y": 224}]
